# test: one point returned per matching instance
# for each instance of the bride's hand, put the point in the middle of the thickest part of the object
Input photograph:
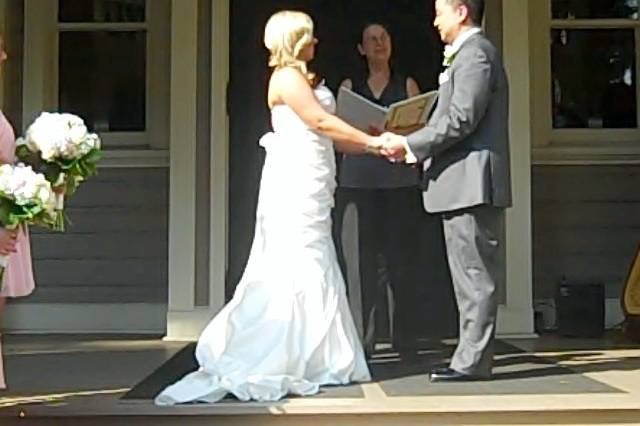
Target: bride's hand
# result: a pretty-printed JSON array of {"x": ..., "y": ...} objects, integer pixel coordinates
[{"x": 375, "y": 145}]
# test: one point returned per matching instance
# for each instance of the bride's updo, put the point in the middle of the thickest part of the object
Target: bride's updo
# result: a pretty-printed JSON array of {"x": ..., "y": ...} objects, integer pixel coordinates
[{"x": 285, "y": 35}]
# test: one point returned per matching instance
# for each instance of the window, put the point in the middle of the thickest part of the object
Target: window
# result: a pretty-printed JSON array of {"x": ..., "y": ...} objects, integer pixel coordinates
[
  {"x": 108, "y": 61},
  {"x": 595, "y": 9},
  {"x": 602, "y": 61},
  {"x": 110, "y": 66},
  {"x": 593, "y": 64},
  {"x": 586, "y": 104}
]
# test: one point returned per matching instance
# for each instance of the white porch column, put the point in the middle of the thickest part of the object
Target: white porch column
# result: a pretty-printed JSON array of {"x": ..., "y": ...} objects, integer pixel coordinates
[
  {"x": 516, "y": 317},
  {"x": 182, "y": 193},
  {"x": 219, "y": 160},
  {"x": 185, "y": 320}
]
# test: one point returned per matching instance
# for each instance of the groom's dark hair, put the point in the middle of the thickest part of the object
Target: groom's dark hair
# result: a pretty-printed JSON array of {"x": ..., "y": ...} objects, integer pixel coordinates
[{"x": 475, "y": 7}]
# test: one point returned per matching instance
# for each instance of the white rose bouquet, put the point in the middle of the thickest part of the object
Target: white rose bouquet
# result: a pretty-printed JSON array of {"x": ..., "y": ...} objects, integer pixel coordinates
[
  {"x": 61, "y": 148},
  {"x": 26, "y": 197}
]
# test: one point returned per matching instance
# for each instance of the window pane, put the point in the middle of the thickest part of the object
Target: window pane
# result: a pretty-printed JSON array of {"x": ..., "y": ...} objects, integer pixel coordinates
[
  {"x": 594, "y": 9},
  {"x": 102, "y": 78},
  {"x": 593, "y": 79},
  {"x": 101, "y": 10}
]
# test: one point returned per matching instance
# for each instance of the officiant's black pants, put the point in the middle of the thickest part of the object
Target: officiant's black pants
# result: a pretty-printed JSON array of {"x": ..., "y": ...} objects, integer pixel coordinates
[{"x": 378, "y": 247}]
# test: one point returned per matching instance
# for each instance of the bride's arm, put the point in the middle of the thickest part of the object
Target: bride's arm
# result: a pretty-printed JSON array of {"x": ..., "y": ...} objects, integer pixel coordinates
[
  {"x": 346, "y": 147},
  {"x": 292, "y": 89}
]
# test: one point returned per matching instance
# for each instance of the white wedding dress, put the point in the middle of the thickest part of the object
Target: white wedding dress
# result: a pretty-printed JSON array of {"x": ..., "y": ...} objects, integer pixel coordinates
[{"x": 288, "y": 328}]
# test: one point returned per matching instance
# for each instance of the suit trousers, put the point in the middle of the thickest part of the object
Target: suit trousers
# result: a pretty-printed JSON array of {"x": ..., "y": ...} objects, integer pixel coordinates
[
  {"x": 378, "y": 249},
  {"x": 475, "y": 243}
]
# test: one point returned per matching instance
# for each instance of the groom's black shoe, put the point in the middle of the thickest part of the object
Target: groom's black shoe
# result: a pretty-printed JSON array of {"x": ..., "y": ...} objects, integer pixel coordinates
[{"x": 451, "y": 375}]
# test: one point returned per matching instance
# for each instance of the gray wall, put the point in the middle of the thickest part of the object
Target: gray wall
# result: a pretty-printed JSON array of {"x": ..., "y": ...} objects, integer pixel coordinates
[
  {"x": 115, "y": 250},
  {"x": 586, "y": 225}
]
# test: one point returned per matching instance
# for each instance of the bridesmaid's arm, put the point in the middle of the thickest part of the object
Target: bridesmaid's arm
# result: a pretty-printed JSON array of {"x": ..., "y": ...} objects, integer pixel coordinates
[
  {"x": 7, "y": 236},
  {"x": 4, "y": 160},
  {"x": 7, "y": 141},
  {"x": 8, "y": 241}
]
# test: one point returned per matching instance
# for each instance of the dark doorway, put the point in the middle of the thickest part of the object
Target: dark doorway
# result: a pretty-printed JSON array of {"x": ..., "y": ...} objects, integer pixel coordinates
[{"x": 417, "y": 51}]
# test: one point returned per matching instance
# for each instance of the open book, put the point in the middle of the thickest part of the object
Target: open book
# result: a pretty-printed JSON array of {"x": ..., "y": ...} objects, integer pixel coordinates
[{"x": 360, "y": 112}]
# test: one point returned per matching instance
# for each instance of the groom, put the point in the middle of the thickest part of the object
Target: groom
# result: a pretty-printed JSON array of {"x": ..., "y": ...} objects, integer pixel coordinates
[{"x": 467, "y": 178}]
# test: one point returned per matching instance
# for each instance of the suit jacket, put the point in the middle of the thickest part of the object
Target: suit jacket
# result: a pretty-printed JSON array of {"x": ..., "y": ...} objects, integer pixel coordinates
[{"x": 467, "y": 136}]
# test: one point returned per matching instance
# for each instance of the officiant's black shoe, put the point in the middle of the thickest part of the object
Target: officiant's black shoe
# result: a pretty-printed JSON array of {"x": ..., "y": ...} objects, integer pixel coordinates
[{"x": 451, "y": 375}]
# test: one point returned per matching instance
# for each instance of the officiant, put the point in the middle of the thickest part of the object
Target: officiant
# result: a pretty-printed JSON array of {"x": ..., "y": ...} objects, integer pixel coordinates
[{"x": 377, "y": 207}]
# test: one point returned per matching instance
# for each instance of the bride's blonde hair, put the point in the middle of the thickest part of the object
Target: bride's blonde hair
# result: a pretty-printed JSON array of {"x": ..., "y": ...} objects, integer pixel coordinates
[{"x": 285, "y": 35}]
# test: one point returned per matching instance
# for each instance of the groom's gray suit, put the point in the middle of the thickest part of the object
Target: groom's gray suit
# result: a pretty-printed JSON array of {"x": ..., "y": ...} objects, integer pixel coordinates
[{"x": 468, "y": 182}]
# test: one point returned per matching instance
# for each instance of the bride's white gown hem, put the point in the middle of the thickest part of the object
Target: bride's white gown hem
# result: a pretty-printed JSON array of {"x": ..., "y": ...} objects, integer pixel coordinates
[{"x": 288, "y": 328}]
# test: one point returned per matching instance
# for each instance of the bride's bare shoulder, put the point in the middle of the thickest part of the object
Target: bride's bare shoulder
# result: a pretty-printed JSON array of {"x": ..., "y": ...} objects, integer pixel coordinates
[
  {"x": 285, "y": 81},
  {"x": 287, "y": 76}
]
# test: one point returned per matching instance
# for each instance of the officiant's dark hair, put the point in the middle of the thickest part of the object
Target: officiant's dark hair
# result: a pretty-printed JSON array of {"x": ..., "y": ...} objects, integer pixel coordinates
[
  {"x": 476, "y": 9},
  {"x": 370, "y": 23}
]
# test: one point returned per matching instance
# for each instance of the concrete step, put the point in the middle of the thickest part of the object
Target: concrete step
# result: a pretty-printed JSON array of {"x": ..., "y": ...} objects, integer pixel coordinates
[{"x": 182, "y": 417}]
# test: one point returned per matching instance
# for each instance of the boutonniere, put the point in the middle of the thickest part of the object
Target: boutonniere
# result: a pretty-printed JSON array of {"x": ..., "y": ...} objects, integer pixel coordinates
[{"x": 450, "y": 53}]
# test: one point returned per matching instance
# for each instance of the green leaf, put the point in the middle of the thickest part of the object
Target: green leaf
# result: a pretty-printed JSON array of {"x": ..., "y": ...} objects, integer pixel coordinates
[
  {"x": 23, "y": 152},
  {"x": 51, "y": 172},
  {"x": 28, "y": 157},
  {"x": 93, "y": 156},
  {"x": 5, "y": 209}
]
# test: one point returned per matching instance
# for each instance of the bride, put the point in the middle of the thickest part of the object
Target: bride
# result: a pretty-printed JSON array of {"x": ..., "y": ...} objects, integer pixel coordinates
[{"x": 288, "y": 328}]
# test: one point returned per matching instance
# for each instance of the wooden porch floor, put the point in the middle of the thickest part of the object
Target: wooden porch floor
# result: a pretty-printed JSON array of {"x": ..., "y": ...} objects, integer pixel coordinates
[{"x": 78, "y": 380}]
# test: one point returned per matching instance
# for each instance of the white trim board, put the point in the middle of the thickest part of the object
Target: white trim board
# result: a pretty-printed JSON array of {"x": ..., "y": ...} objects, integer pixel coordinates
[
  {"x": 121, "y": 318},
  {"x": 587, "y": 154},
  {"x": 147, "y": 158},
  {"x": 186, "y": 326}
]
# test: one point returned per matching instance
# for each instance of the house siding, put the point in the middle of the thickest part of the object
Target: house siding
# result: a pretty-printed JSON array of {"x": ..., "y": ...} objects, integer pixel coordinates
[
  {"x": 586, "y": 225},
  {"x": 115, "y": 249}
]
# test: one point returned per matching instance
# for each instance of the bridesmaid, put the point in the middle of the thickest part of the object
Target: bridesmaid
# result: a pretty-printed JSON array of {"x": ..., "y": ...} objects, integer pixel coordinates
[{"x": 18, "y": 275}]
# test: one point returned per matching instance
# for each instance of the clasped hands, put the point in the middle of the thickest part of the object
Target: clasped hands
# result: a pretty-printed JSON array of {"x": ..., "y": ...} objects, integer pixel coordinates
[{"x": 389, "y": 144}]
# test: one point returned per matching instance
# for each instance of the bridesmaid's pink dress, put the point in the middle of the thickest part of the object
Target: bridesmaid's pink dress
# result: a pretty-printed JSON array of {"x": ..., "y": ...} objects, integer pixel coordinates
[{"x": 18, "y": 276}]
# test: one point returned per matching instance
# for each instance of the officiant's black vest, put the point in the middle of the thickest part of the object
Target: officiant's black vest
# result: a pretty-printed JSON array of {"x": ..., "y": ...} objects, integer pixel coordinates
[{"x": 366, "y": 171}]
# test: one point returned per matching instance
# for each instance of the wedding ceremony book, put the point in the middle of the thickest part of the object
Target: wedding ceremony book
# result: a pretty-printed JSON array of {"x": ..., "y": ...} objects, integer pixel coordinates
[{"x": 360, "y": 112}]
